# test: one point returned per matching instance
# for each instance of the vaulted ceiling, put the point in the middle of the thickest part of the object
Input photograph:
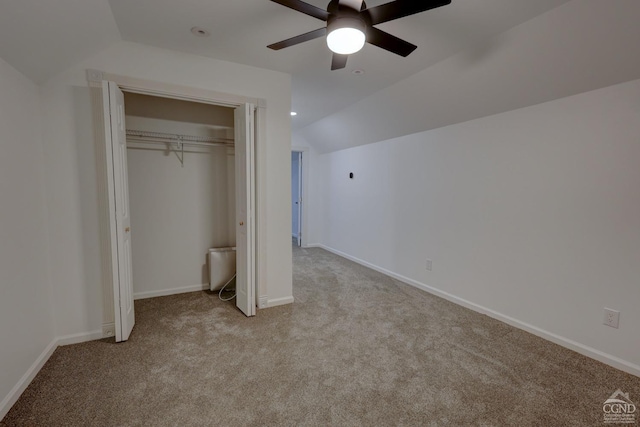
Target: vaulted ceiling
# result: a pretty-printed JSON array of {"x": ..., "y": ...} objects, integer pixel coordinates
[
  {"x": 241, "y": 30},
  {"x": 41, "y": 39}
]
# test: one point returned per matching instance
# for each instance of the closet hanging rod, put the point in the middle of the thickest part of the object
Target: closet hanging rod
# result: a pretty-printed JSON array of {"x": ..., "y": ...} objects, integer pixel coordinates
[
  {"x": 177, "y": 142},
  {"x": 176, "y": 138}
]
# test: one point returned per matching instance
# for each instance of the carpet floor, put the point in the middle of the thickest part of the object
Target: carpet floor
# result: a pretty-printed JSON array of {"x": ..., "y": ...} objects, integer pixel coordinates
[{"x": 355, "y": 349}]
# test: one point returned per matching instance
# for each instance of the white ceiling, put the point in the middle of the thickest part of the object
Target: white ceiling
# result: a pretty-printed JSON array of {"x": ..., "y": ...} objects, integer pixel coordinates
[
  {"x": 474, "y": 57},
  {"x": 241, "y": 29},
  {"x": 42, "y": 38},
  {"x": 577, "y": 47}
]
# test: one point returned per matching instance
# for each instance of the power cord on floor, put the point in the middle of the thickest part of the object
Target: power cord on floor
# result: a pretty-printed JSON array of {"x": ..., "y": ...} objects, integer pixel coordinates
[{"x": 222, "y": 289}]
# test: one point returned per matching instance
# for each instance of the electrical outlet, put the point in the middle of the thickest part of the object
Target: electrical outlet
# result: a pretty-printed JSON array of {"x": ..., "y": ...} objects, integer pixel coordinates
[
  {"x": 611, "y": 317},
  {"x": 429, "y": 265}
]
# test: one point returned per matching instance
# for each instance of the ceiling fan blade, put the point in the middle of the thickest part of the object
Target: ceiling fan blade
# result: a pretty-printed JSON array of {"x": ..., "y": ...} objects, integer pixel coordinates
[
  {"x": 338, "y": 61},
  {"x": 320, "y": 32},
  {"x": 389, "y": 42},
  {"x": 305, "y": 8},
  {"x": 353, "y": 4},
  {"x": 401, "y": 8}
]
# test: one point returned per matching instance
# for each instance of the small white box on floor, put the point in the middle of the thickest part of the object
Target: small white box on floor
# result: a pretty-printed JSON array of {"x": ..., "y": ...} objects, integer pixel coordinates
[{"x": 222, "y": 266}]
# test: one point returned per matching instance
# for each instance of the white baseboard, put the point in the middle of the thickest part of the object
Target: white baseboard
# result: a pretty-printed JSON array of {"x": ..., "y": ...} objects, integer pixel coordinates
[
  {"x": 81, "y": 337},
  {"x": 33, "y": 370},
  {"x": 263, "y": 302},
  {"x": 585, "y": 350},
  {"x": 108, "y": 330},
  {"x": 23, "y": 383},
  {"x": 173, "y": 291},
  {"x": 26, "y": 379},
  {"x": 279, "y": 301},
  {"x": 603, "y": 357},
  {"x": 314, "y": 245}
]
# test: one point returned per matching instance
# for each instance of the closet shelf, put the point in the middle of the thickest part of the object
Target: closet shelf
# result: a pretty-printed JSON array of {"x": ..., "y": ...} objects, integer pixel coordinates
[{"x": 179, "y": 139}]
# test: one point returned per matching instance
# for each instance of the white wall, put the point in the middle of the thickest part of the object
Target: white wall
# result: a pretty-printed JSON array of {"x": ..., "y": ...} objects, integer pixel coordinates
[
  {"x": 70, "y": 164},
  {"x": 177, "y": 214},
  {"x": 533, "y": 213},
  {"x": 26, "y": 319}
]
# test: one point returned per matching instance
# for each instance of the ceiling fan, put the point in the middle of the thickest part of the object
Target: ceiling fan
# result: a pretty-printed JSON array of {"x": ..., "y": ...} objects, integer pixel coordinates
[{"x": 350, "y": 24}]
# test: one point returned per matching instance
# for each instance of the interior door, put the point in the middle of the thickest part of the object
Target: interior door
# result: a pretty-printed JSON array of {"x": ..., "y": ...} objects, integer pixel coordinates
[
  {"x": 245, "y": 212},
  {"x": 119, "y": 218},
  {"x": 296, "y": 196}
]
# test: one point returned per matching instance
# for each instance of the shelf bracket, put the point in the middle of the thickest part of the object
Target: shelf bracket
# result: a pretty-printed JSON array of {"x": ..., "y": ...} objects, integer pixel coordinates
[{"x": 179, "y": 150}]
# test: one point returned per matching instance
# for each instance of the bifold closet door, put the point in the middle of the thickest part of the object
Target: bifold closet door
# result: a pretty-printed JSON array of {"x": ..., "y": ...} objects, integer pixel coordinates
[
  {"x": 119, "y": 216},
  {"x": 245, "y": 211}
]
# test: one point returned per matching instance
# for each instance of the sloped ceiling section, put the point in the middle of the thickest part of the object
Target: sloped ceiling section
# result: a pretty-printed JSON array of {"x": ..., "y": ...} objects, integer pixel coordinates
[
  {"x": 41, "y": 38},
  {"x": 241, "y": 30},
  {"x": 580, "y": 46}
]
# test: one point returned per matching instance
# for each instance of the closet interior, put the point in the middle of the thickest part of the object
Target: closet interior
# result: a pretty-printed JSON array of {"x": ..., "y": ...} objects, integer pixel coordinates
[{"x": 181, "y": 165}]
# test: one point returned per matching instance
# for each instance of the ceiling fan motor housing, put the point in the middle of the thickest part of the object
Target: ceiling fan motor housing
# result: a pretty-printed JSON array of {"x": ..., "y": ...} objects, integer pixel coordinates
[
  {"x": 347, "y": 20},
  {"x": 346, "y": 34}
]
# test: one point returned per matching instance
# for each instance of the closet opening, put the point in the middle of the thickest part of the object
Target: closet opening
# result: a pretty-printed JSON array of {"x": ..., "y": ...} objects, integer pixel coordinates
[
  {"x": 300, "y": 207},
  {"x": 296, "y": 197},
  {"x": 179, "y": 186},
  {"x": 181, "y": 166}
]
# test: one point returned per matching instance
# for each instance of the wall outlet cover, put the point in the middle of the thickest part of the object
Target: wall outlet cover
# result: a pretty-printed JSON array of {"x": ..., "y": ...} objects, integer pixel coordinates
[{"x": 611, "y": 318}]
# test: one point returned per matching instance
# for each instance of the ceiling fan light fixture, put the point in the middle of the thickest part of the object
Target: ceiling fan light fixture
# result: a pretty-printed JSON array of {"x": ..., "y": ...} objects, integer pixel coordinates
[{"x": 346, "y": 35}]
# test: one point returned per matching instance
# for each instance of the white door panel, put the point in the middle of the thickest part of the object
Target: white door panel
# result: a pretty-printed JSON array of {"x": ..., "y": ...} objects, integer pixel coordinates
[
  {"x": 299, "y": 201},
  {"x": 120, "y": 219},
  {"x": 245, "y": 212}
]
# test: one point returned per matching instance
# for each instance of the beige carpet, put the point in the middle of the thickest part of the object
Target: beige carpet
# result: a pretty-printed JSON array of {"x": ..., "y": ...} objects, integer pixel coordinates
[{"x": 356, "y": 349}]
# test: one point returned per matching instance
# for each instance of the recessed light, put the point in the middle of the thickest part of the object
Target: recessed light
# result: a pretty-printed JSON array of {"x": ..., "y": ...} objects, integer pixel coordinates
[
  {"x": 358, "y": 72},
  {"x": 200, "y": 32},
  {"x": 293, "y": 113}
]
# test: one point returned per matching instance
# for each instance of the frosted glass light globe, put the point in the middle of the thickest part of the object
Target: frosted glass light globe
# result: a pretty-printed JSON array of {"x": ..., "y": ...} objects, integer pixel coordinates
[{"x": 346, "y": 40}]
